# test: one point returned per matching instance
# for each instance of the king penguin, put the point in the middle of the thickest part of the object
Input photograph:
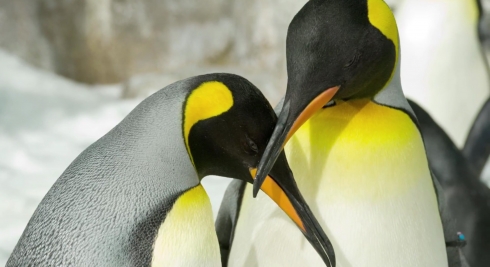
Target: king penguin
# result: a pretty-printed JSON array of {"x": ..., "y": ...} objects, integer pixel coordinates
[
  {"x": 477, "y": 145},
  {"x": 467, "y": 198},
  {"x": 354, "y": 148},
  {"x": 444, "y": 65},
  {"x": 134, "y": 198}
]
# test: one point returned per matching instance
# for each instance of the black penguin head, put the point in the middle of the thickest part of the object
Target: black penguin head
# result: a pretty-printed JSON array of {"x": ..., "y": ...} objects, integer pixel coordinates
[
  {"x": 336, "y": 50},
  {"x": 334, "y": 43},
  {"x": 230, "y": 143},
  {"x": 227, "y": 123}
]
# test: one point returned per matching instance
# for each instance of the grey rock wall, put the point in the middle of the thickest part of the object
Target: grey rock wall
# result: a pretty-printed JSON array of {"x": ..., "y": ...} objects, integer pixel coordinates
[
  {"x": 20, "y": 33},
  {"x": 104, "y": 41},
  {"x": 110, "y": 41}
]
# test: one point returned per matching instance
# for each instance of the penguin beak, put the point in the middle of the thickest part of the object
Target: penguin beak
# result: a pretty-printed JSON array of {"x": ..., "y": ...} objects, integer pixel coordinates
[
  {"x": 280, "y": 186},
  {"x": 288, "y": 123}
]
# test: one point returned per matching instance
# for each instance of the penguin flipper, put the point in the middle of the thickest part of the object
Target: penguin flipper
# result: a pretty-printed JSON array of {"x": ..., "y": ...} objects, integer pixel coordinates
[
  {"x": 477, "y": 146},
  {"x": 448, "y": 167},
  {"x": 228, "y": 217},
  {"x": 455, "y": 254}
]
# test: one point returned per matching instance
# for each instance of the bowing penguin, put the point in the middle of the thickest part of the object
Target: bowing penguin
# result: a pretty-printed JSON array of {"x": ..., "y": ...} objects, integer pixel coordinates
[{"x": 134, "y": 198}]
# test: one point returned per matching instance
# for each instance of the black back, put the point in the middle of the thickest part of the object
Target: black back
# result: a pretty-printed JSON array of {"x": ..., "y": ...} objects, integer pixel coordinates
[{"x": 467, "y": 199}]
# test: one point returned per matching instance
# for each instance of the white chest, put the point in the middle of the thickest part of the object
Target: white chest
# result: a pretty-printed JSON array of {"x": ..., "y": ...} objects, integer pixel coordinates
[
  {"x": 367, "y": 182},
  {"x": 187, "y": 237}
]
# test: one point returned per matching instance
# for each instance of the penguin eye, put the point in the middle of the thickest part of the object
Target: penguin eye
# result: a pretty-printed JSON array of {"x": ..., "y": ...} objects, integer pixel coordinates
[
  {"x": 353, "y": 61},
  {"x": 250, "y": 145}
]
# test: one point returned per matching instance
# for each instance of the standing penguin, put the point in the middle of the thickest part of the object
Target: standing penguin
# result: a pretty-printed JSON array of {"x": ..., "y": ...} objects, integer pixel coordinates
[
  {"x": 444, "y": 65},
  {"x": 134, "y": 197},
  {"x": 354, "y": 148}
]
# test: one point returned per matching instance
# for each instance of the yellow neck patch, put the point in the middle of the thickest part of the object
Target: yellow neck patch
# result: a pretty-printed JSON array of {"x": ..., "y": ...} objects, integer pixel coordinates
[
  {"x": 187, "y": 236},
  {"x": 208, "y": 100},
  {"x": 381, "y": 17},
  {"x": 473, "y": 13}
]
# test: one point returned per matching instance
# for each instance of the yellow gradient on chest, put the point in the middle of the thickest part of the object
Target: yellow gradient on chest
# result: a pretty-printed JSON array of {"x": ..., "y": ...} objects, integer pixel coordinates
[
  {"x": 360, "y": 150},
  {"x": 210, "y": 99},
  {"x": 381, "y": 17},
  {"x": 472, "y": 12},
  {"x": 187, "y": 236}
]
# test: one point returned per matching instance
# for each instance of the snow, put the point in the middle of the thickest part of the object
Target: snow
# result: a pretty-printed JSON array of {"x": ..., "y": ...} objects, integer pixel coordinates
[{"x": 45, "y": 122}]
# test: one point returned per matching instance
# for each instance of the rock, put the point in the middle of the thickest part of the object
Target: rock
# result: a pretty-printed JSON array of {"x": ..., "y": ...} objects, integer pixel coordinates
[
  {"x": 110, "y": 41},
  {"x": 21, "y": 33},
  {"x": 106, "y": 41}
]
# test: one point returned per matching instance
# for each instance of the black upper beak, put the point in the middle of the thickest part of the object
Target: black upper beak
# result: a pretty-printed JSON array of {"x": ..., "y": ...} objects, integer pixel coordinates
[
  {"x": 274, "y": 147},
  {"x": 281, "y": 186},
  {"x": 290, "y": 119}
]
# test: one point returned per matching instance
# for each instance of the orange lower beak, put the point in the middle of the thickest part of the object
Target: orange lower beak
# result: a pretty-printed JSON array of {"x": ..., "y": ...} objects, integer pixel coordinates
[
  {"x": 315, "y": 105},
  {"x": 275, "y": 192}
]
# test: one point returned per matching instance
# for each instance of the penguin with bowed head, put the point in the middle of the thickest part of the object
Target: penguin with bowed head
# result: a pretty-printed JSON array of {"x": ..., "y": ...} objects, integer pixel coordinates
[{"x": 134, "y": 198}]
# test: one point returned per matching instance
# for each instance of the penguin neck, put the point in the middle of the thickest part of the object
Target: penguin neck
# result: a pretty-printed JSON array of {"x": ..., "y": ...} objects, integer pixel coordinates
[
  {"x": 153, "y": 135},
  {"x": 149, "y": 169},
  {"x": 392, "y": 94}
]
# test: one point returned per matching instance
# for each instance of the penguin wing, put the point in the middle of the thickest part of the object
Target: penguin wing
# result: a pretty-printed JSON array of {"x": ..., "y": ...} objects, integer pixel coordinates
[
  {"x": 438, "y": 156},
  {"x": 477, "y": 146},
  {"x": 451, "y": 176},
  {"x": 455, "y": 256},
  {"x": 446, "y": 161},
  {"x": 228, "y": 216}
]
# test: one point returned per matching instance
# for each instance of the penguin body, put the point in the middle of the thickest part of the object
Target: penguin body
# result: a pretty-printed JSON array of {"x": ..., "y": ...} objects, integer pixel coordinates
[
  {"x": 134, "y": 198},
  {"x": 477, "y": 146},
  {"x": 351, "y": 204},
  {"x": 467, "y": 198},
  {"x": 444, "y": 66},
  {"x": 107, "y": 207},
  {"x": 354, "y": 147}
]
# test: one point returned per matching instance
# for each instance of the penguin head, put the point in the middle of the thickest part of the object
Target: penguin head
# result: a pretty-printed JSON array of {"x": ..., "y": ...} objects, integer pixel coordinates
[
  {"x": 336, "y": 50},
  {"x": 231, "y": 142},
  {"x": 350, "y": 44},
  {"x": 227, "y": 123}
]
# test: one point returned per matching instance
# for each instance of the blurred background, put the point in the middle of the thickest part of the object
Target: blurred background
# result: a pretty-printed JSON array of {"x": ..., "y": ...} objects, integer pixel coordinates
[{"x": 70, "y": 70}]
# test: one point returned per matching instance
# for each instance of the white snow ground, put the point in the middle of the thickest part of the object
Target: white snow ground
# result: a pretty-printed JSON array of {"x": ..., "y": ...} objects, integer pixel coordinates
[{"x": 45, "y": 122}]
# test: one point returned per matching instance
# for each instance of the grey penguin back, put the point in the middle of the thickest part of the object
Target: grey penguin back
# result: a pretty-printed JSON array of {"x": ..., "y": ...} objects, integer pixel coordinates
[{"x": 106, "y": 207}]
